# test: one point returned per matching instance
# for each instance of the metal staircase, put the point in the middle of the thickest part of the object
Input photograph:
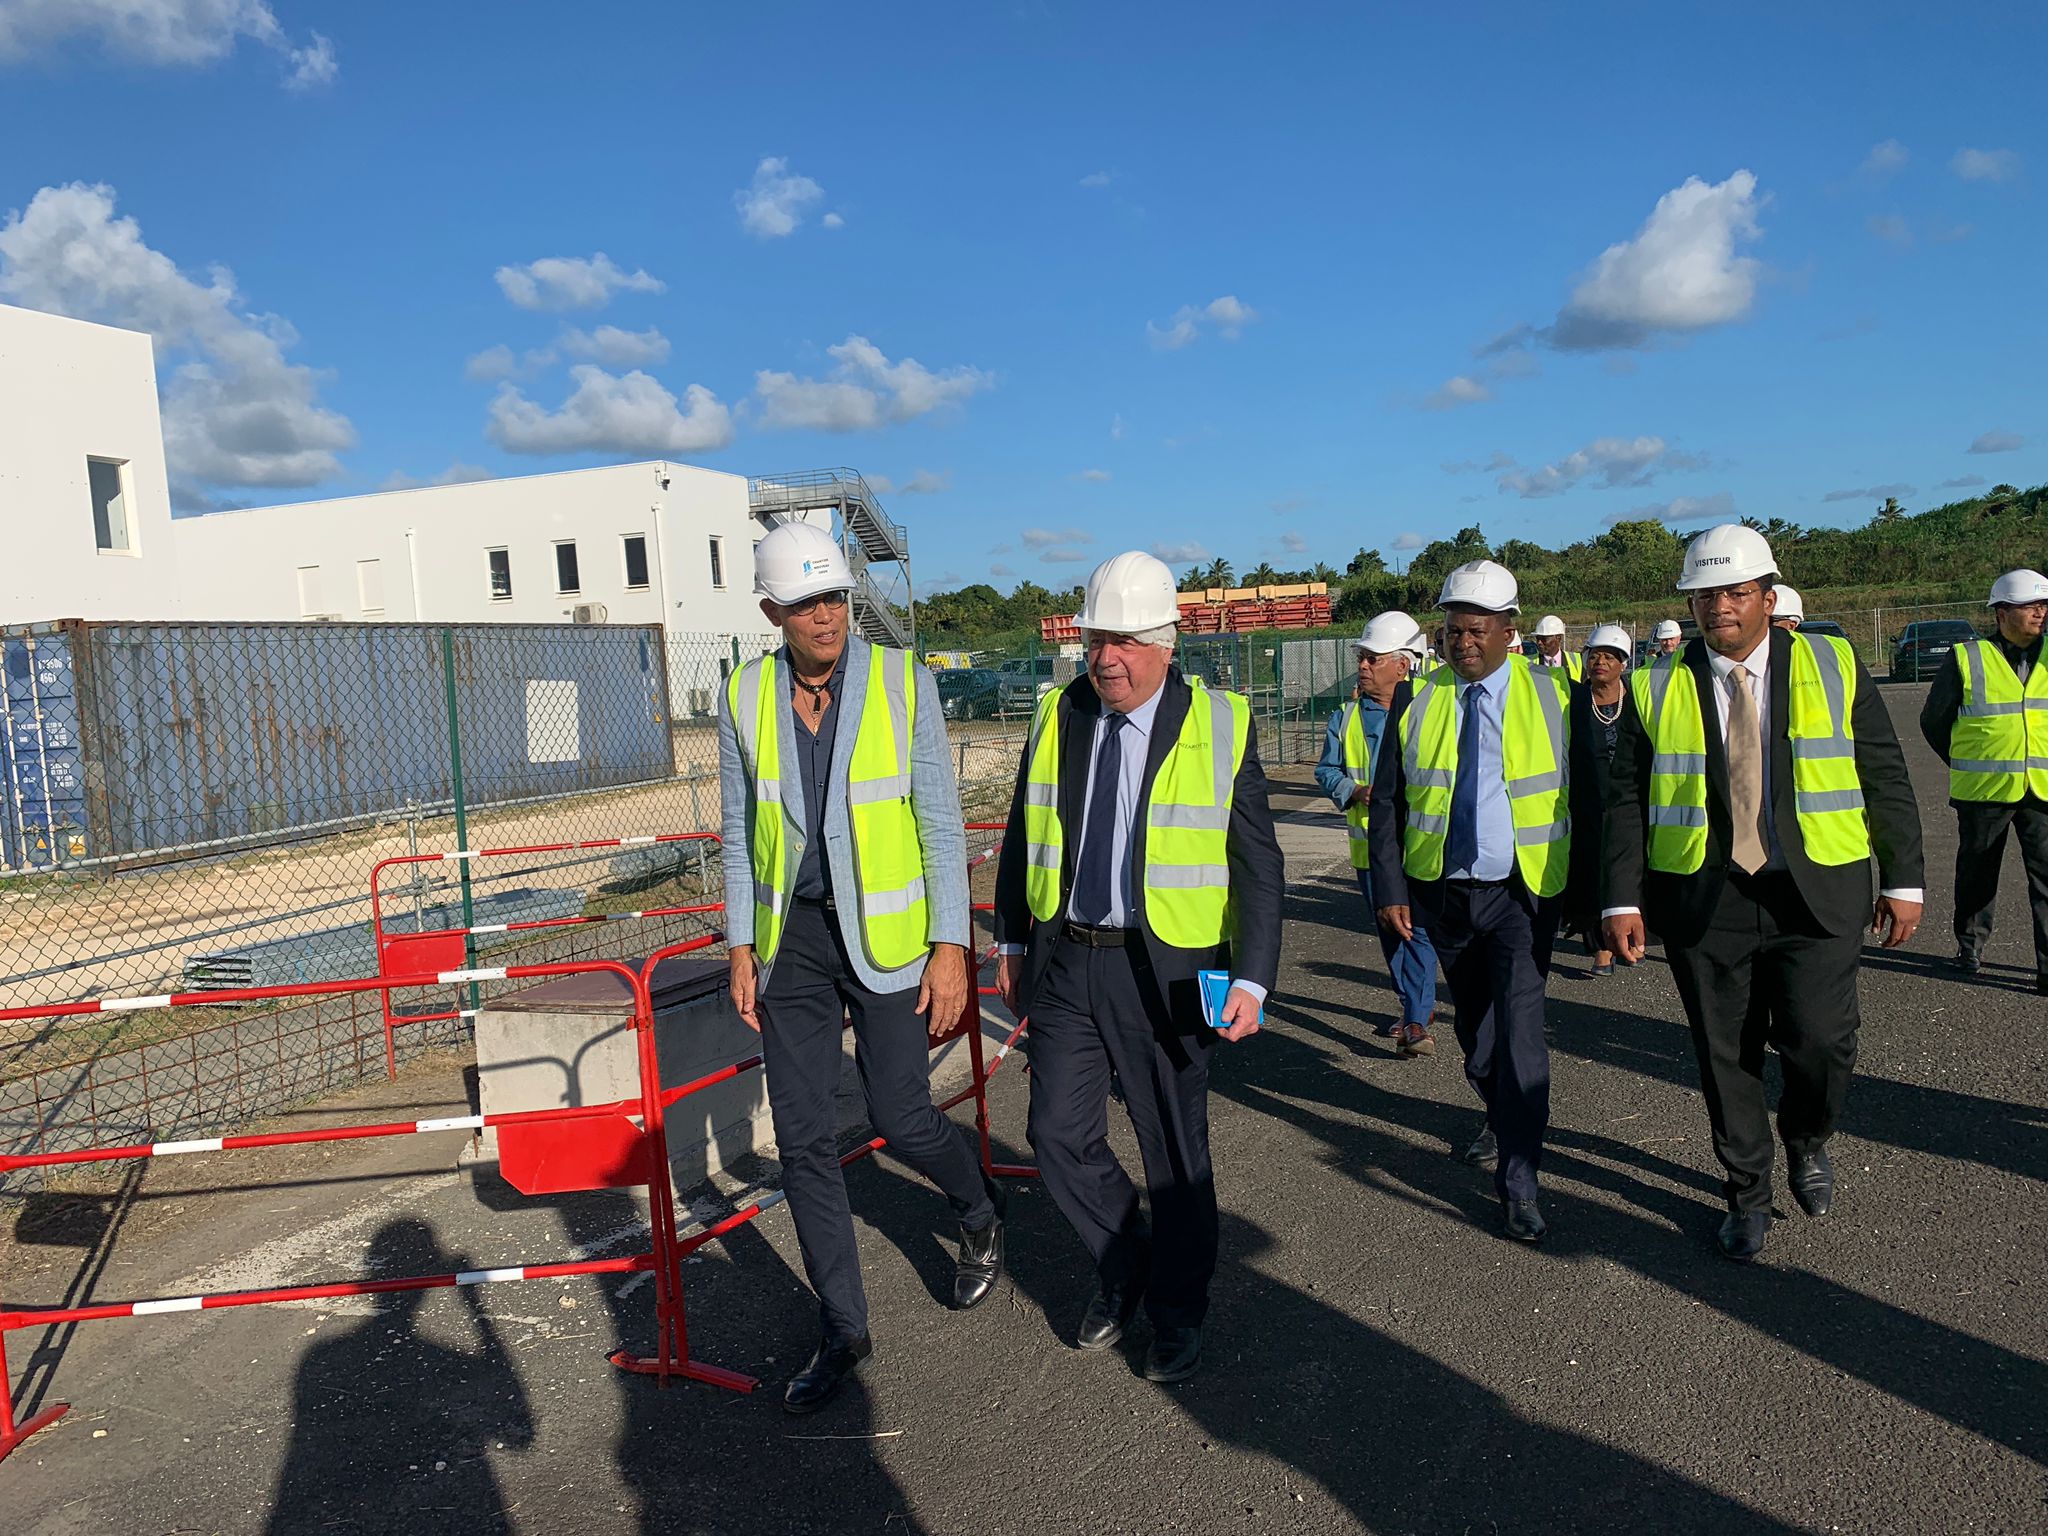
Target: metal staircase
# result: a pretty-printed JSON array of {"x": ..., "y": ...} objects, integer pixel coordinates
[{"x": 877, "y": 548}]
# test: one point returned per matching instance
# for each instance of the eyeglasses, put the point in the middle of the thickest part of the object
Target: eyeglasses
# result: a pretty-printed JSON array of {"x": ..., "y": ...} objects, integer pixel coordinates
[
  {"x": 806, "y": 606},
  {"x": 1747, "y": 592}
]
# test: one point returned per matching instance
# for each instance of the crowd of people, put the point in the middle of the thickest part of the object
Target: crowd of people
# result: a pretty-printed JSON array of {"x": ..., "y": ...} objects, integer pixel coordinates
[{"x": 1727, "y": 796}]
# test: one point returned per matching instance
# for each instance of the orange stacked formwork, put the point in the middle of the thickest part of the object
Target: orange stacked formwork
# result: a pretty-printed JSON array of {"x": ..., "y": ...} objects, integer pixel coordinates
[{"x": 1226, "y": 610}]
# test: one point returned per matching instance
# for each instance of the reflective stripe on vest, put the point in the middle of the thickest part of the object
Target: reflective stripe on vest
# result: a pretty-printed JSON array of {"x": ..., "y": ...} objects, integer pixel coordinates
[
  {"x": 1573, "y": 662},
  {"x": 1186, "y": 893},
  {"x": 1358, "y": 765},
  {"x": 1534, "y": 761},
  {"x": 1998, "y": 747},
  {"x": 888, "y": 854},
  {"x": 1827, "y": 795}
]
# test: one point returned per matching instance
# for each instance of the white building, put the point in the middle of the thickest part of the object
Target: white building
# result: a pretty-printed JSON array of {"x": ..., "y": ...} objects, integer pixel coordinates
[{"x": 85, "y": 505}]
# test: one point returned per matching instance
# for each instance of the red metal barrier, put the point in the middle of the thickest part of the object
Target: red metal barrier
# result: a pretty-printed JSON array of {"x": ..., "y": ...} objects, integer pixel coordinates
[{"x": 445, "y": 949}]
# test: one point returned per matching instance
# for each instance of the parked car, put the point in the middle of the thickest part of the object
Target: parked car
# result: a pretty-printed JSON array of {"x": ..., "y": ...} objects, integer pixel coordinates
[
  {"x": 1924, "y": 646},
  {"x": 1022, "y": 680},
  {"x": 969, "y": 693},
  {"x": 1822, "y": 627}
]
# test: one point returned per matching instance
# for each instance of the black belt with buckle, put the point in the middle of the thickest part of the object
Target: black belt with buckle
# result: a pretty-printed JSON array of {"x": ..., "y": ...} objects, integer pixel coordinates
[{"x": 1094, "y": 937}]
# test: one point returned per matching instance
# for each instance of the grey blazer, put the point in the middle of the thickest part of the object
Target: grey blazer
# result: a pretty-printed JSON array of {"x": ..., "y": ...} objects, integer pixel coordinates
[{"x": 934, "y": 797}]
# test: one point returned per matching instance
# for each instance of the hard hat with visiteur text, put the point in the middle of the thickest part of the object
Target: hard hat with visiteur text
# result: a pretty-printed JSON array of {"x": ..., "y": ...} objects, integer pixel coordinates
[
  {"x": 1549, "y": 624},
  {"x": 1482, "y": 584},
  {"x": 1726, "y": 556},
  {"x": 1790, "y": 604},
  {"x": 794, "y": 561},
  {"x": 1667, "y": 629},
  {"x": 1129, "y": 593},
  {"x": 1390, "y": 632},
  {"x": 1610, "y": 637},
  {"x": 2021, "y": 586}
]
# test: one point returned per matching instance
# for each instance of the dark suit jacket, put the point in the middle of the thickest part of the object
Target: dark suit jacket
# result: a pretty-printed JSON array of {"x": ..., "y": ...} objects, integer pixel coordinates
[
  {"x": 1386, "y": 826},
  {"x": 1257, "y": 875},
  {"x": 1680, "y": 907}
]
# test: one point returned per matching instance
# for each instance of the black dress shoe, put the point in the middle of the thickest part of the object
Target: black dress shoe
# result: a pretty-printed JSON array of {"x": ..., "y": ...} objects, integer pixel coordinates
[
  {"x": 2041, "y": 984},
  {"x": 980, "y": 1264},
  {"x": 1483, "y": 1153},
  {"x": 1174, "y": 1354},
  {"x": 1742, "y": 1234},
  {"x": 1813, "y": 1182},
  {"x": 1522, "y": 1221},
  {"x": 817, "y": 1383},
  {"x": 1966, "y": 962},
  {"x": 1108, "y": 1315}
]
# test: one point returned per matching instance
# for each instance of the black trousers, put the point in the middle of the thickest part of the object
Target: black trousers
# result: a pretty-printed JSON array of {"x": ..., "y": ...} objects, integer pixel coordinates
[
  {"x": 1980, "y": 852},
  {"x": 1099, "y": 1010},
  {"x": 810, "y": 991},
  {"x": 1766, "y": 973},
  {"x": 1496, "y": 959}
]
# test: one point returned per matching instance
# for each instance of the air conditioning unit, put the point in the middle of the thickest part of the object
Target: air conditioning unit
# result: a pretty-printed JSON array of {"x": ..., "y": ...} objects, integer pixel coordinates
[{"x": 587, "y": 613}]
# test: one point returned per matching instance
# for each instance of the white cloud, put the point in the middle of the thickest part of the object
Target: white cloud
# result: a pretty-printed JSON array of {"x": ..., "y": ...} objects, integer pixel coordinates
[
  {"x": 1093, "y": 476},
  {"x": 186, "y": 33},
  {"x": 1227, "y": 316},
  {"x": 1461, "y": 389},
  {"x": 1890, "y": 226},
  {"x": 1679, "y": 273},
  {"x": 1884, "y": 158},
  {"x": 1097, "y": 179},
  {"x": 457, "y": 473},
  {"x": 834, "y": 221},
  {"x": 1406, "y": 541},
  {"x": 1116, "y": 429},
  {"x": 1293, "y": 543},
  {"x": 1998, "y": 442},
  {"x": 1062, "y": 556},
  {"x": 1963, "y": 482},
  {"x": 235, "y": 412},
  {"x": 865, "y": 391},
  {"x": 1039, "y": 538},
  {"x": 775, "y": 203},
  {"x": 1986, "y": 164},
  {"x": 999, "y": 569},
  {"x": 491, "y": 364},
  {"x": 572, "y": 282},
  {"x": 1608, "y": 461},
  {"x": 1869, "y": 493},
  {"x": 1186, "y": 553},
  {"x": 1717, "y": 508},
  {"x": 616, "y": 348},
  {"x": 925, "y": 482},
  {"x": 606, "y": 413},
  {"x": 1496, "y": 461}
]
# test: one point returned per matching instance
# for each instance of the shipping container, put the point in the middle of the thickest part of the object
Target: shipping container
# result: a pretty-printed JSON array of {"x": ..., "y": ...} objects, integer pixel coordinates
[{"x": 125, "y": 740}]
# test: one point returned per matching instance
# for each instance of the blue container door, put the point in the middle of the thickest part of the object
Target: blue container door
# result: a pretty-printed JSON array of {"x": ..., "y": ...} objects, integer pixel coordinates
[{"x": 45, "y": 768}]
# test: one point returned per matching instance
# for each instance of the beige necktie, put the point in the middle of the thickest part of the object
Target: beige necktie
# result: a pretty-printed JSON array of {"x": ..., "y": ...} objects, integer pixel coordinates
[{"x": 1745, "y": 776}]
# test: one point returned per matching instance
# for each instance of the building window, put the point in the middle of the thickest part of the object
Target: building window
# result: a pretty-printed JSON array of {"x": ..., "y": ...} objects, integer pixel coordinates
[
  {"x": 636, "y": 562},
  {"x": 312, "y": 598},
  {"x": 110, "y": 531},
  {"x": 370, "y": 588},
  {"x": 501, "y": 575},
  {"x": 718, "y": 563},
  {"x": 566, "y": 579}
]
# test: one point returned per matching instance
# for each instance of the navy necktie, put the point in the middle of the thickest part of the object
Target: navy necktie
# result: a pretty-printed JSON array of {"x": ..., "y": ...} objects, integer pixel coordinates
[
  {"x": 1461, "y": 849},
  {"x": 1092, "y": 873}
]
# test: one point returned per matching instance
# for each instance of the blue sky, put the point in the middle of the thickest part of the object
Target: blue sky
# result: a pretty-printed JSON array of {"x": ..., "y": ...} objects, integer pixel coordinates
[{"x": 1072, "y": 277}]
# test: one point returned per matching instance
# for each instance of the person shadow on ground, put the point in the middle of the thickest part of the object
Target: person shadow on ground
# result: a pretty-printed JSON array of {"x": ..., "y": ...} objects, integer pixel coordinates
[{"x": 393, "y": 1429}]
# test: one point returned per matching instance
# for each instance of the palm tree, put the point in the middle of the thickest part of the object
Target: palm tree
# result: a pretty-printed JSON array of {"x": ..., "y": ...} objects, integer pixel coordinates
[
  {"x": 1261, "y": 574},
  {"x": 1219, "y": 574},
  {"x": 1323, "y": 572},
  {"x": 1890, "y": 512}
]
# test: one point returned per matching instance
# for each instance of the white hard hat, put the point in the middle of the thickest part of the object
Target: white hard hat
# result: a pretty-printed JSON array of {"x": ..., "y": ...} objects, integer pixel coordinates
[
  {"x": 1724, "y": 556},
  {"x": 1549, "y": 624},
  {"x": 2021, "y": 586},
  {"x": 1667, "y": 629},
  {"x": 1790, "y": 604},
  {"x": 797, "y": 560},
  {"x": 1390, "y": 632},
  {"x": 1482, "y": 584},
  {"x": 1610, "y": 637},
  {"x": 1129, "y": 593}
]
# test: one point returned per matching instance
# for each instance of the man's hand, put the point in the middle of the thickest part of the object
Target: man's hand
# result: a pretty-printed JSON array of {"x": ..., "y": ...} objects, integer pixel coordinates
[
  {"x": 1009, "y": 977},
  {"x": 1361, "y": 794},
  {"x": 742, "y": 986},
  {"x": 1623, "y": 936},
  {"x": 942, "y": 995},
  {"x": 1895, "y": 919},
  {"x": 1240, "y": 1015},
  {"x": 1400, "y": 920}
]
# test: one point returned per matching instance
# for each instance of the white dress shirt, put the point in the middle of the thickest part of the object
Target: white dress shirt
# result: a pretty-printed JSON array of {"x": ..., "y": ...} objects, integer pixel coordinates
[{"x": 1756, "y": 669}]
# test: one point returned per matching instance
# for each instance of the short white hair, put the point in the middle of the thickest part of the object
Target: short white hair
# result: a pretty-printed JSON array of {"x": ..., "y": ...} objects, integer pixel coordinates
[{"x": 1165, "y": 636}]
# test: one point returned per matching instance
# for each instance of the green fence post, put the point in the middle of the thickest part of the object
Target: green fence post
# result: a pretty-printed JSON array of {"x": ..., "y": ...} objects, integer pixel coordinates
[{"x": 461, "y": 803}]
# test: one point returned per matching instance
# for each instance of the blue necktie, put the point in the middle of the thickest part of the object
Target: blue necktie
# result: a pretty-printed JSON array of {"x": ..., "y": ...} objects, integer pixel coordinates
[
  {"x": 1098, "y": 838},
  {"x": 1461, "y": 849}
]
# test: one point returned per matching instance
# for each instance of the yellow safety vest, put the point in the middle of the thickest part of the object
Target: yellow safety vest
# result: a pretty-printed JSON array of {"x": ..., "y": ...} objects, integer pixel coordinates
[
  {"x": 1574, "y": 664},
  {"x": 1358, "y": 764},
  {"x": 1534, "y": 761},
  {"x": 1186, "y": 900},
  {"x": 1827, "y": 795},
  {"x": 888, "y": 854},
  {"x": 1998, "y": 748}
]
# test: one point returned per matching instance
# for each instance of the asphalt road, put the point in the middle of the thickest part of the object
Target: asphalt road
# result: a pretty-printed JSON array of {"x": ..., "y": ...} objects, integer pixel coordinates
[{"x": 1377, "y": 1357}]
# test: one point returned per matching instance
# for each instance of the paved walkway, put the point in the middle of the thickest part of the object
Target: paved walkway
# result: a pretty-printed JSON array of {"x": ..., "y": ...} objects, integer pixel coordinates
[{"x": 1378, "y": 1359}]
